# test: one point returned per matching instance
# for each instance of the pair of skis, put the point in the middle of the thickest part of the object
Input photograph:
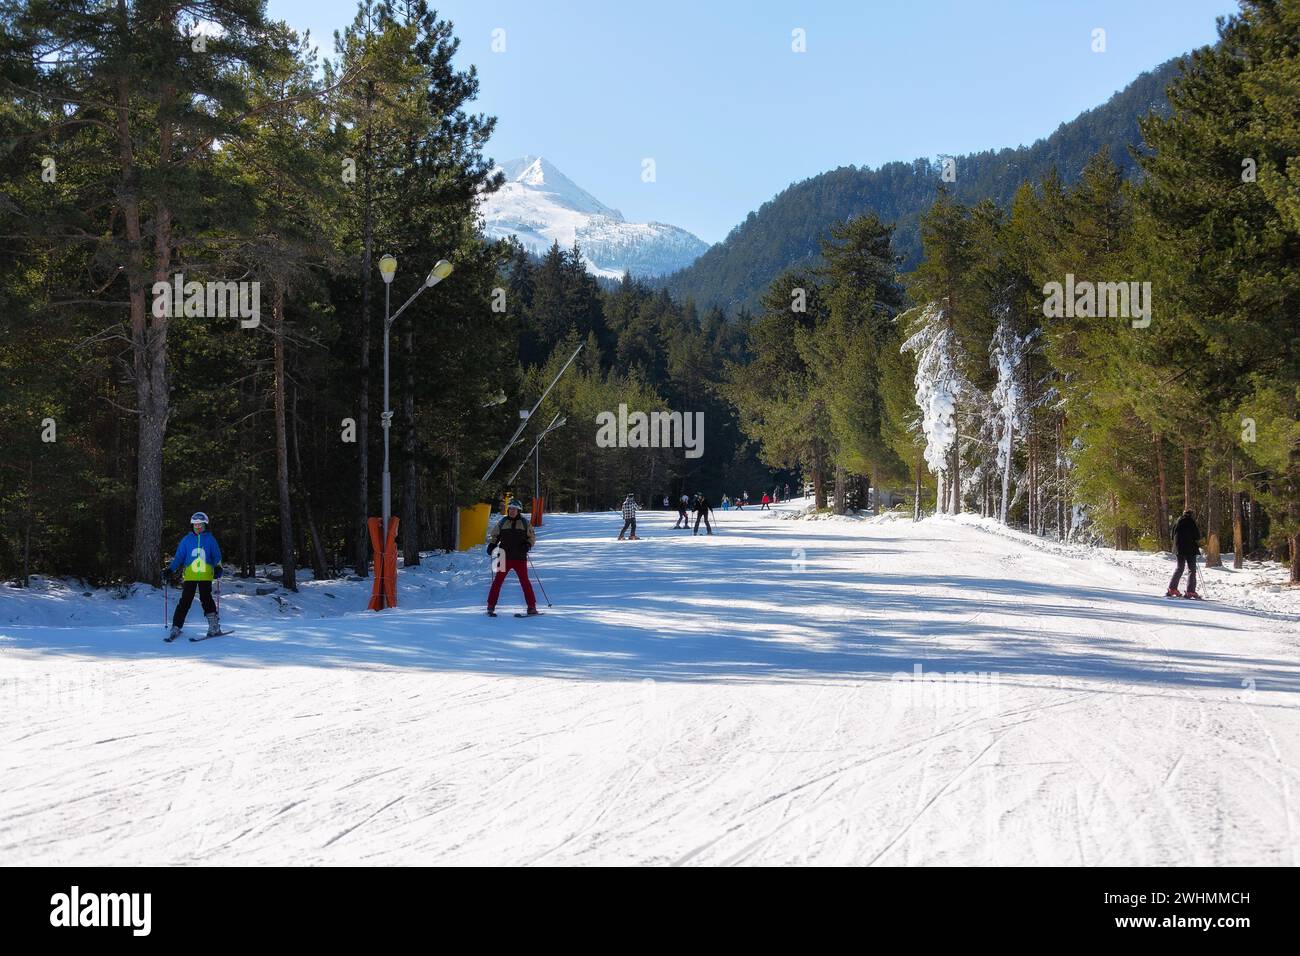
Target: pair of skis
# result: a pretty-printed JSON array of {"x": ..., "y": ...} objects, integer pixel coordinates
[
  {"x": 167, "y": 616},
  {"x": 194, "y": 640}
]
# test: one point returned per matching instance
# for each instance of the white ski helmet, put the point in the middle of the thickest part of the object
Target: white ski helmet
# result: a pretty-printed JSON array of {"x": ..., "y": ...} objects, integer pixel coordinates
[{"x": 198, "y": 518}]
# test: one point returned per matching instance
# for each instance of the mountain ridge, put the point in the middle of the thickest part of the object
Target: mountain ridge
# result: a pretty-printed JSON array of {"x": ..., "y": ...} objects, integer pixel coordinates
[{"x": 785, "y": 231}]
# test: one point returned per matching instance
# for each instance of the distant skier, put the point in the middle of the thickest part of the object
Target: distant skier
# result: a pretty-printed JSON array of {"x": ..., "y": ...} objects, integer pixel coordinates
[
  {"x": 516, "y": 537},
  {"x": 787, "y": 491},
  {"x": 200, "y": 555},
  {"x": 767, "y": 502},
  {"x": 665, "y": 502},
  {"x": 702, "y": 510},
  {"x": 629, "y": 518},
  {"x": 683, "y": 513},
  {"x": 1187, "y": 545},
  {"x": 726, "y": 503}
]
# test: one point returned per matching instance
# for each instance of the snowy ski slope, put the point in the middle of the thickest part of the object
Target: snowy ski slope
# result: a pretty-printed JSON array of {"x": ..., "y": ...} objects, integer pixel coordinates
[{"x": 787, "y": 691}]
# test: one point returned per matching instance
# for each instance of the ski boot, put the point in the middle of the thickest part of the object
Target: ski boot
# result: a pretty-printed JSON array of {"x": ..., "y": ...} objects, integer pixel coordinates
[
  {"x": 175, "y": 633},
  {"x": 1192, "y": 595},
  {"x": 533, "y": 610},
  {"x": 214, "y": 626},
  {"x": 1173, "y": 592},
  {"x": 492, "y": 612}
]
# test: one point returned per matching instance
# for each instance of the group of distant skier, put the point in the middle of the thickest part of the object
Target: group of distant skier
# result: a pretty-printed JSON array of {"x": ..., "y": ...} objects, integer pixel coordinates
[
  {"x": 197, "y": 562},
  {"x": 741, "y": 501},
  {"x": 699, "y": 506}
]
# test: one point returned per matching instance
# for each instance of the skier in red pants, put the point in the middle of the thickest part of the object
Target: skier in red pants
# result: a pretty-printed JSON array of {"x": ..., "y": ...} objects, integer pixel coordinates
[{"x": 515, "y": 537}]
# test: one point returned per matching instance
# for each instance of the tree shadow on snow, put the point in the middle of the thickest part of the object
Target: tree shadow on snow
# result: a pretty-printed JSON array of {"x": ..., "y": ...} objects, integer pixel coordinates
[{"x": 728, "y": 610}]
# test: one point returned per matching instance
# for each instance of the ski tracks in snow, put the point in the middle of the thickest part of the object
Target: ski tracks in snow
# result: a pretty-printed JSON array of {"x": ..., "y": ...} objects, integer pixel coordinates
[{"x": 784, "y": 692}]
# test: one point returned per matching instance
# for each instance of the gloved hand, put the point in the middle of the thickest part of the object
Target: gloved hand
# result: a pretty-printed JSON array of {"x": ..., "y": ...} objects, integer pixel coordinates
[
  {"x": 217, "y": 572},
  {"x": 490, "y": 549}
]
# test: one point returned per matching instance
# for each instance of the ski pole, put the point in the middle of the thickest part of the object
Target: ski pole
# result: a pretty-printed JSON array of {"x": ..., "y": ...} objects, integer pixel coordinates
[
  {"x": 166, "y": 602},
  {"x": 539, "y": 583},
  {"x": 218, "y": 596}
]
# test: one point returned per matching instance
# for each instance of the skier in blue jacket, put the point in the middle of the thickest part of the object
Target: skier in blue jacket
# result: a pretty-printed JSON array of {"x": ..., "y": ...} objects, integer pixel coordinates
[{"x": 200, "y": 556}]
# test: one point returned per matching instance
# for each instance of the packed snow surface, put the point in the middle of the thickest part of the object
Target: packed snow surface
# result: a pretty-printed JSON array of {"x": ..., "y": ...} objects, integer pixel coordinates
[{"x": 785, "y": 691}]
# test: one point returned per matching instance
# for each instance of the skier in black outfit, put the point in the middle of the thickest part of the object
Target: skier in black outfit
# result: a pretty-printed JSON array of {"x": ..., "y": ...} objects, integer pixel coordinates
[
  {"x": 683, "y": 515},
  {"x": 702, "y": 510},
  {"x": 1187, "y": 539}
]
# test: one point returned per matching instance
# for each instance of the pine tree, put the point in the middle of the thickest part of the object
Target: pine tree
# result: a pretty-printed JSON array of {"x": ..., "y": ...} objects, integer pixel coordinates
[
  {"x": 127, "y": 82},
  {"x": 1222, "y": 186}
]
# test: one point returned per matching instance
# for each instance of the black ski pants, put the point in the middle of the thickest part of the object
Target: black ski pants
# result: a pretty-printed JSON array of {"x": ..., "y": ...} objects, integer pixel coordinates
[
  {"x": 187, "y": 598},
  {"x": 1190, "y": 561}
]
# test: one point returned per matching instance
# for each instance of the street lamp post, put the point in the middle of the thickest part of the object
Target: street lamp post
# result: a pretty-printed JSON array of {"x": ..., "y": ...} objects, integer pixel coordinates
[{"x": 388, "y": 269}]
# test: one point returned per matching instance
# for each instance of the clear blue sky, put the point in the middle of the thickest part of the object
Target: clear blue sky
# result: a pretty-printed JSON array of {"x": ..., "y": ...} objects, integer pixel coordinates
[{"x": 711, "y": 90}]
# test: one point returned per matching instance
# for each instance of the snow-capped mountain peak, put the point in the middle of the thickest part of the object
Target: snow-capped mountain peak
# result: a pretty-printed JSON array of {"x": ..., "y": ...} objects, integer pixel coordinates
[
  {"x": 540, "y": 205},
  {"x": 537, "y": 174}
]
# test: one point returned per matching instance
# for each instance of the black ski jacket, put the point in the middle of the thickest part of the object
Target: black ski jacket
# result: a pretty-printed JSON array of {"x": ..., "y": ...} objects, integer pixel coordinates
[
  {"x": 515, "y": 536},
  {"x": 1187, "y": 537}
]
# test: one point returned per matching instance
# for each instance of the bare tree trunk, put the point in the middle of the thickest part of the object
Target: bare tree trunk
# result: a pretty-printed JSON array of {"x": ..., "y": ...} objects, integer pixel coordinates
[
  {"x": 248, "y": 554},
  {"x": 1162, "y": 495},
  {"x": 955, "y": 484},
  {"x": 1060, "y": 479},
  {"x": 1006, "y": 473},
  {"x": 819, "y": 486},
  {"x": 916, "y": 501},
  {"x": 1121, "y": 528},
  {"x": 27, "y": 524},
  {"x": 1293, "y": 512},
  {"x": 1212, "y": 556},
  {"x": 410, "y": 524},
  {"x": 148, "y": 332},
  {"x": 289, "y": 566},
  {"x": 316, "y": 547},
  {"x": 1033, "y": 483},
  {"x": 1238, "y": 540},
  {"x": 839, "y": 489},
  {"x": 361, "y": 544}
]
